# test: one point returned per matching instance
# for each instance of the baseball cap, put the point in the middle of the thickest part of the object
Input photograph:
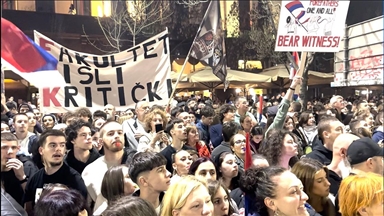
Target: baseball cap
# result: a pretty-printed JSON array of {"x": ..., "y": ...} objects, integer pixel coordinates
[{"x": 362, "y": 149}]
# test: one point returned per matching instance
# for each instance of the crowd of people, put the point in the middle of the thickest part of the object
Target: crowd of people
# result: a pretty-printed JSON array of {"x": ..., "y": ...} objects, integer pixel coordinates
[{"x": 325, "y": 161}]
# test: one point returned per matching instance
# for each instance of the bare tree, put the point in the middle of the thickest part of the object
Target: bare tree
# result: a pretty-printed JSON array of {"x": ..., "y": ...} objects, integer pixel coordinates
[
  {"x": 259, "y": 41},
  {"x": 131, "y": 19}
]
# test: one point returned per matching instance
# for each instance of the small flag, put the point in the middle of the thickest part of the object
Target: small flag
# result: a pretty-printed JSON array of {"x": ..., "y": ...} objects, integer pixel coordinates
[
  {"x": 260, "y": 109},
  {"x": 293, "y": 71},
  {"x": 248, "y": 153},
  {"x": 209, "y": 46},
  {"x": 297, "y": 10},
  {"x": 247, "y": 165}
]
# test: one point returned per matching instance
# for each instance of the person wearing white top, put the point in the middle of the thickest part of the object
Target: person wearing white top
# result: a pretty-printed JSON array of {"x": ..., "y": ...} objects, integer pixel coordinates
[
  {"x": 112, "y": 136},
  {"x": 134, "y": 128}
]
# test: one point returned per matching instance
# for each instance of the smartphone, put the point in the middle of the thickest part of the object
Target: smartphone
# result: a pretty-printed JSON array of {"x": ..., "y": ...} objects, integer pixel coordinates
[{"x": 159, "y": 127}]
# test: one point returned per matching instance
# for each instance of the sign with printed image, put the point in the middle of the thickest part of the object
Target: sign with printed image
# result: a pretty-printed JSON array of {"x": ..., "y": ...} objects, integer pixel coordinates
[{"x": 311, "y": 26}]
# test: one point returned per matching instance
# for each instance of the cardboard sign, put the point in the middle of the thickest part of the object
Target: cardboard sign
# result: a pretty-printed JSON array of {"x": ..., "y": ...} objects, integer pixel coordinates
[
  {"x": 311, "y": 25},
  {"x": 121, "y": 79}
]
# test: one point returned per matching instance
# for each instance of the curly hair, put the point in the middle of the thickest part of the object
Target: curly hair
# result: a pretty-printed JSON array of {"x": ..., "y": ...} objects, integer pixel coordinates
[
  {"x": 72, "y": 129},
  {"x": 258, "y": 184},
  {"x": 149, "y": 117},
  {"x": 273, "y": 147}
]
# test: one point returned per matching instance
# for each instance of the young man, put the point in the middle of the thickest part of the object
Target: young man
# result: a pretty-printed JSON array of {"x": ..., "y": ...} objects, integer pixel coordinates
[
  {"x": 148, "y": 171},
  {"x": 229, "y": 130},
  {"x": 207, "y": 114},
  {"x": 365, "y": 155},
  {"x": 112, "y": 138},
  {"x": 178, "y": 132},
  {"x": 52, "y": 151},
  {"x": 26, "y": 139},
  {"x": 226, "y": 114},
  {"x": 328, "y": 130},
  {"x": 15, "y": 170},
  {"x": 242, "y": 110},
  {"x": 339, "y": 167},
  {"x": 79, "y": 142}
]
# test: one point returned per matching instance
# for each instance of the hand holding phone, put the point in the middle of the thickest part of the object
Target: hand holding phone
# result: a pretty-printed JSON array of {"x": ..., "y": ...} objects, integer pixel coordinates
[{"x": 158, "y": 128}]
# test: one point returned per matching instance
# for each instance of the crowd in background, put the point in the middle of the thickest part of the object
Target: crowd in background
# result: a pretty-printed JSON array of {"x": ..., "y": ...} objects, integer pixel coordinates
[{"x": 191, "y": 159}]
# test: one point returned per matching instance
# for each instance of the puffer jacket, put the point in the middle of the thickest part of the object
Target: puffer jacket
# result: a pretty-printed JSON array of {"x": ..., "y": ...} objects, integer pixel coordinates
[{"x": 9, "y": 206}]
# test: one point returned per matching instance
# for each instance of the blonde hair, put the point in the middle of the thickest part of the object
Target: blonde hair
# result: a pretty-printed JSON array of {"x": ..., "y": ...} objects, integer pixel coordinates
[
  {"x": 149, "y": 117},
  {"x": 122, "y": 119},
  {"x": 359, "y": 191},
  {"x": 177, "y": 194}
]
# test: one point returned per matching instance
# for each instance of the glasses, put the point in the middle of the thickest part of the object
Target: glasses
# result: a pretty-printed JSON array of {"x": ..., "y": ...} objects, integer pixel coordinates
[{"x": 240, "y": 142}]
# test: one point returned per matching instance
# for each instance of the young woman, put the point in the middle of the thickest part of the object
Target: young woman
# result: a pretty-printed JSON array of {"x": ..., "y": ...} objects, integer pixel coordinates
[
  {"x": 116, "y": 183},
  {"x": 130, "y": 206},
  {"x": 314, "y": 177},
  {"x": 222, "y": 203},
  {"x": 62, "y": 203},
  {"x": 203, "y": 168},
  {"x": 280, "y": 148},
  {"x": 181, "y": 161},
  {"x": 193, "y": 141},
  {"x": 307, "y": 127},
  {"x": 189, "y": 196},
  {"x": 228, "y": 170},
  {"x": 49, "y": 121},
  {"x": 361, "y": 195},
  {"x": 237, "y": 144},
  {"x": 274, "y": 191},
  {"x": 246, "y": 124},
  {"x": 257, "y": 135}
]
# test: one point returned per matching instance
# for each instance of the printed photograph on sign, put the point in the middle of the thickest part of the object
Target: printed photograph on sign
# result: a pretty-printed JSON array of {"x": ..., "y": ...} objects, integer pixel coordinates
[{"x": 311, "y": 26}]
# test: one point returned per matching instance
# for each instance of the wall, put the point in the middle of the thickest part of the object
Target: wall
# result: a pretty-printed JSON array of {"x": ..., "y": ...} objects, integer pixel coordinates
[{"x": 364, "y": 51}]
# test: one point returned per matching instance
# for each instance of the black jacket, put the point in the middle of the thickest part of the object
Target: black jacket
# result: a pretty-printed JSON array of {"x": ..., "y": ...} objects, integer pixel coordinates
[
  {"x": 29, "y": 167},
  {"x": 9, "y": 206},
  {"x": 320, "y": 153}
]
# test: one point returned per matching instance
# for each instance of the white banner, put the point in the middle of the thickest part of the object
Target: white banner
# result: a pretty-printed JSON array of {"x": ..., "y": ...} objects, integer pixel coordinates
[
  {"x": 121, "y": 79},
  {"x": 311, "y": 25}
]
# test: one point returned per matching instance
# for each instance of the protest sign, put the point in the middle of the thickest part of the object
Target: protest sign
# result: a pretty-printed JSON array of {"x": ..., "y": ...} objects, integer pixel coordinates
[
  {"x": 311, "y": 26},
  {"x": 121, "y": 79}
]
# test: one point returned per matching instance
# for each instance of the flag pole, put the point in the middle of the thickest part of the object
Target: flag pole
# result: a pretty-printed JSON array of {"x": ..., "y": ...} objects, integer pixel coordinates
[
  {"x": 300, "y": 72},
  {"x": 186, "y": 59}
]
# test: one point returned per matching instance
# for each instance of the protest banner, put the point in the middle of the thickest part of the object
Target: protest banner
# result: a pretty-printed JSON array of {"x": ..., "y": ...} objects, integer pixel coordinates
[
  {"x": 311, "y": 26},
  {"x": 121, "y": 79}
]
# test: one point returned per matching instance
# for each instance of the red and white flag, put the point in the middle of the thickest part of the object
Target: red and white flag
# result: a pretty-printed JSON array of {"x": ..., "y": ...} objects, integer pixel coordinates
[{"x": 293, "y": 71}]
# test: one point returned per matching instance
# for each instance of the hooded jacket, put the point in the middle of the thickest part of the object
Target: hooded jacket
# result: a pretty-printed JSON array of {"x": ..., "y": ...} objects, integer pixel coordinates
[{"x": 320, "y": 153}]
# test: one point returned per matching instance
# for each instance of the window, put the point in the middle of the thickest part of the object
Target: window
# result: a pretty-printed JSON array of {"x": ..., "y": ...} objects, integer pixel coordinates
[
  {"x": 45, "y": 6},
  {"x": 25, "y": 5},
  {"x": 8, "y": 4},
  {"x": 62, "y": 6},
  {"x": 101, "y": 8},
  {"x": 82, "y": 7}
]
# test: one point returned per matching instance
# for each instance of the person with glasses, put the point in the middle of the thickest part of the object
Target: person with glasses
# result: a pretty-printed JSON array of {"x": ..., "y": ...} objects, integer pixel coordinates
[
  {"x": 238, "y": 148},
  {"x": 134, "y": 128}
]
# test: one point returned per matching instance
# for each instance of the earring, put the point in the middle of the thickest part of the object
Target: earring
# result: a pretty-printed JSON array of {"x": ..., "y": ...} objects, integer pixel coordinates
[{"x": 276, "y": 213}]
